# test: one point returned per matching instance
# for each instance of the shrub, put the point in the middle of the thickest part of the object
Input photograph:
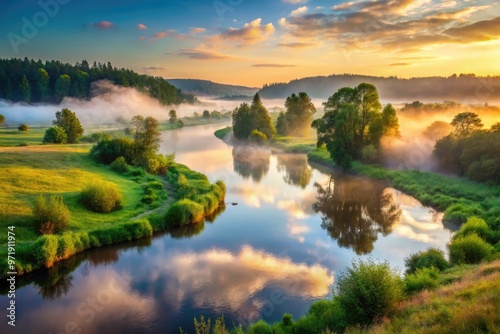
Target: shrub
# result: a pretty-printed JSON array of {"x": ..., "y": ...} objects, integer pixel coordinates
[
  {"x": 96, "y": 137},
  {"x": 368, "y": 291},
  {"x": 432, "y": 257},
  {"x": 469, "y": 249},
  {"x": 50, "y": 210},
  {"x": 120, "y": 165},
  {"x": 55, "y": 135},
  {"x": 184, "y": 212},
  {"x": 149, "y": 199},
  {"x": 45, "y": 250},
  {"x": 23, "y": 127},
  {"x": 474, "y": 225},
  {"x": 106, "y": 151},
  {"x": 101, "y": 197},
  {"x": 257, "y": 137},
  {"x": 157, "y": 165},
  {"x": 157, "y": 185},
  {"x": 260, "y": 327},
  {"x": 423, "y": 278}
]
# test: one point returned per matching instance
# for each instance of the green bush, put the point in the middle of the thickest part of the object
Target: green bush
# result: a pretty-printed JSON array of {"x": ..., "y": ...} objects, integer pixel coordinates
[
  {"x": 260, "y": 327},
  {"x": 257, "y": 137},
  {"x": 106, "y": 151},
  {"x": 432, "y": 257},
  {"x": 184, "y": 212},
  {"x": 96, "y": 137},
  {"x": 368, "y": 291},
  {"x": 51, "y": 214},
  {"x": 55, "y": 135},
  {"x": 157, "y": 165},
  {"x": 422, "y": 278},
  {"x": 469, "y": 249},
  {"x": 23, "y": 127},
  {"x": 157, "y": 185},
  {"x": 45, "y": 250},
  {"x": 101, "y": 197},
  {"x": 120, "y": 165},
  {"x": 474, "y": 225},
  {"x": 149, "y": 199}
]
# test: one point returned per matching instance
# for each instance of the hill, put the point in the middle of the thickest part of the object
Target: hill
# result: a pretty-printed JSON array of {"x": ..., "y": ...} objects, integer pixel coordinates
[
  {"x": 467, "y": 88},
  {"x": 33, "y": 81},
  {"x": 210, "y": 88}
]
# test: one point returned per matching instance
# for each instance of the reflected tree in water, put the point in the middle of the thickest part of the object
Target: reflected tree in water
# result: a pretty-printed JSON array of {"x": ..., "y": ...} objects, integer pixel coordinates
[
  {"x": 251, "y": 161},
  {"x": 297, "y": 170},
  {"x": 355, "y": 211}
]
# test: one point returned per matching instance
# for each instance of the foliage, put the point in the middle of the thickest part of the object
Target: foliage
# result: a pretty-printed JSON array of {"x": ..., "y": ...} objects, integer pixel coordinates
[
  {"x": 120, "y": 165},
  {"x": 67, "y": 120},
  {"x": 298, "y": 116},
  {"x": 50, "y": 211},
  {"x": 55, "y": 135},
  {"x": 469, "y": 151},
  {"x": 368, "y": 291},
  {"x": 260, "y": 327},
  {"x": 172, "y": 114},
  {"x": 101, "y": 197},
  {"x": 422, "y": 278},
  {"x": 147, "y": 138},
  {"x": 108, "y": 150},
  {"x": 222, "y": 133},
  {"x": 184, "y": 212},
  {"x": 2, "y": 119},
  {"x": 96, "y": 137},
  {"x": 257, "y": 137},
  {"x": 23, "y": 127},
  {"x": 474, "y": 225},
  {"x": 469, "y": 249},
  {"x": 247, "y": 118},
  {"x": 34, "y": 81},
  {"x": 353, "y": 120},
  {"x": 431, "y": 257}
]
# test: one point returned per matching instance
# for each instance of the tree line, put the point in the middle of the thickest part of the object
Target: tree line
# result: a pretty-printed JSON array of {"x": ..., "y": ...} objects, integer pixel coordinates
[{"x": 30, "y": 81}]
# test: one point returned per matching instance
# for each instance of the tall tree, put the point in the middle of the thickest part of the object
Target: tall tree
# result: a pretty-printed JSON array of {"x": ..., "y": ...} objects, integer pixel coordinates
[
  {"x": 42, "y": 84},
  {"x": 147, "y": 139},
  {"x": 352, "y": 121},
  {"x": 466, "y": 123},
  {"x": 68, "y": 121},
  {"x": 261, "y": 120},
  {"x": 298, "y": 116},
  {"x": 62, "y": 87},
  {"x": 242, "y": 121},
  {"x": 25, "y": 90},
  {"x": 172, "y": 116}
]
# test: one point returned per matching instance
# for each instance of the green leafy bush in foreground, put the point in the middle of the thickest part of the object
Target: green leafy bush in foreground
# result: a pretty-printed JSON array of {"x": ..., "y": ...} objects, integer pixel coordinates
[
  {"x": 368, "y": 291},
  {"x": 432, "y": 257},
  {"x": 422, "y": 278},
  {"x": 51, "y": 214},
  {"x": 469, "y": 249},
  {"x": 101, "y": 197}
]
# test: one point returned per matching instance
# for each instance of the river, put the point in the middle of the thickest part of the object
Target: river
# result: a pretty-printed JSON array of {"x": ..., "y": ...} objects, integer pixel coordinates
[{"x": 292, "y": 228}]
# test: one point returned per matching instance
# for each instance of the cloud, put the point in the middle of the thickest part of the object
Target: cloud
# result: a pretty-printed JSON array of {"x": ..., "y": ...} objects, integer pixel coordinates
[
  {"x": 200, "y": 54},
  {"x": 273, "y": 65},
  {"x": 399, "y": 64},
  {"x": 385, "y": 24},
  {"x": 163, "y": 34},
  {"x": 103, "y": 25},
  {"x": 251, "y": 33},
  {"x": 195, "y": 31},
  {"x": 295, "y": 2},
  {"x": 141, "y": 26},
  {"x": 153, "y": 68},
  {"x": 299, "y": 11},
  {"x": 296, "y": 45}
]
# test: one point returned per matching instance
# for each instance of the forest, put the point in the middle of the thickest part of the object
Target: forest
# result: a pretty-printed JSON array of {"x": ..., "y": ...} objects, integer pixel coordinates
[{"x": 30, "y": 81}]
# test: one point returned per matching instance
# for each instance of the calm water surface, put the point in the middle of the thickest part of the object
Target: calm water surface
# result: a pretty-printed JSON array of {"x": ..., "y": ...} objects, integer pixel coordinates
[{"x": 278, "y": 250}]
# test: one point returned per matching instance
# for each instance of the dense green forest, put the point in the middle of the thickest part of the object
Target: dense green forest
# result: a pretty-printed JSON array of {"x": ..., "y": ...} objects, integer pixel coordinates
[{"x": 33, "y": 81}]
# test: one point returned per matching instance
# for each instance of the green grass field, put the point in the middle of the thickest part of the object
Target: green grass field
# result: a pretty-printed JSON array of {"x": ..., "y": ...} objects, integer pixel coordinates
[
  {"x": 14, "y": 137},
  {"x": 63, "y": 170}
]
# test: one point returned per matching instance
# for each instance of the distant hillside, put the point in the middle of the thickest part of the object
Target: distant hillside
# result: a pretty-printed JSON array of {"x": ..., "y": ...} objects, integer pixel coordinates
[
  {"x": 30, "y": 81},
  {"x": 465, "y": 88},
  {"x": 210, "y": 88}
]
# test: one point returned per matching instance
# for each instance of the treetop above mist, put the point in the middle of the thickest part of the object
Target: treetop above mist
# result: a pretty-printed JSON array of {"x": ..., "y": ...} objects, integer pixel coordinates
[{"x": 33, "y": 81}]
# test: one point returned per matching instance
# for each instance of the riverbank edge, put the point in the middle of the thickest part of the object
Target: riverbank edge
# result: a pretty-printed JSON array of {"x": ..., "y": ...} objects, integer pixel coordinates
[{"x": 46, "y": 250}]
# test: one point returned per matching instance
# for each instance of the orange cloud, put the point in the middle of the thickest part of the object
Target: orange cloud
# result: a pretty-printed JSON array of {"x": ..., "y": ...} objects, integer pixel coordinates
[
  {"x": 141, "y": 26},
  {"x": 251, "y": 33},
  {"x": 103, "y": 25},
  {"x": 195, "y": 31},
  {"x": 200, "y": 54}
]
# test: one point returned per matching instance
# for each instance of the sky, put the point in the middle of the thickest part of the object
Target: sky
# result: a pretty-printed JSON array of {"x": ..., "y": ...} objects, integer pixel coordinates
[{"x": 254, "y": 42}]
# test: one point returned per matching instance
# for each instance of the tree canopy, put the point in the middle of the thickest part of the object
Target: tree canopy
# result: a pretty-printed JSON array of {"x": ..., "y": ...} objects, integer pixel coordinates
[
  {"x": 298, "y": 116},
  {"x": 247, "y": 118},
  {"x": 353, "y": 120},
  {"x": 67, "y": 120},
  {"x": 36, "y": 81}
]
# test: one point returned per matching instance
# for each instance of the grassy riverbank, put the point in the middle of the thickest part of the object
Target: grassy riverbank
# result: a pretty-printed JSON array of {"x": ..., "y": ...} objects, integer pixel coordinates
[{"x": 64, "y": 170}]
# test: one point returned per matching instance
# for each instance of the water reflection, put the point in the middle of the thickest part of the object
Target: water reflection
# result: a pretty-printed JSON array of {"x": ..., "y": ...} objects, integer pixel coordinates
[
  {"x": 251, "y": 162},
  {"x": 297, "y": 170},
  {"x": 355, "y": 211}
]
